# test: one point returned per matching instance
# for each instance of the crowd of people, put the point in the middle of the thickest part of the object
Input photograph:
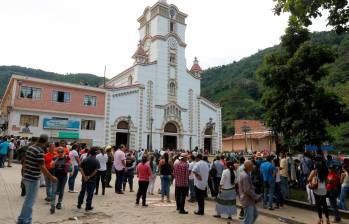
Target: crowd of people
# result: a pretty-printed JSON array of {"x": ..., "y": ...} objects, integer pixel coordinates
[{"x": 248, "y": 178}]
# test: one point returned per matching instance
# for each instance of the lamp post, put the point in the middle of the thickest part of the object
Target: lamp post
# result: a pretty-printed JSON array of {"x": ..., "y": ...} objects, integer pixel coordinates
[
  {"x": 245, "y": 128},
  {"x": 151, "y": 134},
  {"x": 128, "y": 130}
]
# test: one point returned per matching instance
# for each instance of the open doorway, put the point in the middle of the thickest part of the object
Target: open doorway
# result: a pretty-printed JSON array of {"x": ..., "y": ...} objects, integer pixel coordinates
[
  {"x": 208, "y": 145},
  {"x": 170, "y": 142},
  {"x": 121, "y": 138}
]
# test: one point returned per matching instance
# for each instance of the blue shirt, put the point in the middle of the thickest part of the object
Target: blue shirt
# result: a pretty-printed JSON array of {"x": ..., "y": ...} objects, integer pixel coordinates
[
  {"x": 267, "y": 170},
  {"x": 219, "y": 167},
  {"x": 4, "y": 147}
]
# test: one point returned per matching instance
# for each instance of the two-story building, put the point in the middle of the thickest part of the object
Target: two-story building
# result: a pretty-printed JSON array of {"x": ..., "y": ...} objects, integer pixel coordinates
[{"x": 33, "y": 106}]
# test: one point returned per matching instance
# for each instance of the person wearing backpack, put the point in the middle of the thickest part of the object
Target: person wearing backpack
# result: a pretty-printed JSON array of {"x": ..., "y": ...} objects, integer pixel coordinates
[
  {"x": 317, "y": 182},
  {"x": 332, "y": 190},
  {"x": 61, "y": 165}
]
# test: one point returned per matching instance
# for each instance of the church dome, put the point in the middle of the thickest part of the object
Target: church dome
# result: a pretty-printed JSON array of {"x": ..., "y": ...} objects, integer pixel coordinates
[
  {"x": 139, "y": 52},
  {"x": 196, "y": 67}
]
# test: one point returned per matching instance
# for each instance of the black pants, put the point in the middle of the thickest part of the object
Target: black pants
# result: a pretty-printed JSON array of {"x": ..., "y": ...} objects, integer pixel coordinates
[
  {"x": 128, "y": 177},
  {"x": 200, "y": 197},
  {"x": 142, "y": 191},
  {"x": 100, "y": 177},
  {"x": 216, "y": 182},
  {"x": 211, "y": 186},
  {"x": 321, "y": 205},
  {"x": 181, "y": 194},
  {"x": 87, "y": 188},
  {"x": 108, "y": 176},
  {"x": 119, "y": 180}
]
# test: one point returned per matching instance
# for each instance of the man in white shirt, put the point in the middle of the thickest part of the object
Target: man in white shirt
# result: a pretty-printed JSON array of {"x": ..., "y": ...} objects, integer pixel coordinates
[
  {"x": 74, "y": 156},
  {"x": 191, "y": 179},
  {"x": 200, "y": 171},
  {"x": 120, "y": 166}
]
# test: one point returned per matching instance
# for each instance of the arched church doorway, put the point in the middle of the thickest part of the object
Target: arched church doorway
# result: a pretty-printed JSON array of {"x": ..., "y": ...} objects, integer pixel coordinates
[
  {"x": 208, "y": 139},
  {"x": 170, "y": 136},
  {"x": 122, "y": 135}
]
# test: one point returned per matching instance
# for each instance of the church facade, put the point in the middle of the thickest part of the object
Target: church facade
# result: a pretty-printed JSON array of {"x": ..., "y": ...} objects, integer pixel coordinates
[{"x": 156, "y": 102}]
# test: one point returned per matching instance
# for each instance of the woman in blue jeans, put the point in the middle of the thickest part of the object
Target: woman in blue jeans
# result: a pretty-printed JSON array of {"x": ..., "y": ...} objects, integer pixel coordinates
[
  {"x": 165, "y": 168},
  {"x": 344, "y": 187}
]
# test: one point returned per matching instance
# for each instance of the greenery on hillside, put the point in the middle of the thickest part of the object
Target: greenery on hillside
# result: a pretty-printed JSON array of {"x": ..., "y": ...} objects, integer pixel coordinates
[
  {"x": 81, "y": 78},
  {"x": 236, "y": 87}
]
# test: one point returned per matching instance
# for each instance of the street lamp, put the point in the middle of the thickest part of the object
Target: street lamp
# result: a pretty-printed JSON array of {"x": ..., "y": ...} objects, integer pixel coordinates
[
  {"x": 151, "y": 134},
  {"x": 128, "y": 131},
  {"x": 245, "y": 128}
]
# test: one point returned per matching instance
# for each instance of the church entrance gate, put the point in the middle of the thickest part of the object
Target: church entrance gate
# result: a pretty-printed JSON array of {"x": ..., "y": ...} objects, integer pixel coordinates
[{"x": 170, "y": 136}]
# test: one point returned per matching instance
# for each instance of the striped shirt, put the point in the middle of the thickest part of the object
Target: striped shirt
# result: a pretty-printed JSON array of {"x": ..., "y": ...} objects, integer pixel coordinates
[{"x": 34, "y": 159}]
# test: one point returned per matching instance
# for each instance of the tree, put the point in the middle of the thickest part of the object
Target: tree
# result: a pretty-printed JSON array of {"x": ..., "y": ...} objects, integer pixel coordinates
[
  {"x": 305, "y": 10},
  {"x": 296, "y": 105}
]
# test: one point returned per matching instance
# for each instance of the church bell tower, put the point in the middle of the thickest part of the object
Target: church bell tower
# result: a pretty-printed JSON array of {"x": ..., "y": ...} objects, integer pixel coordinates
[{"x": 162, "y": 31}]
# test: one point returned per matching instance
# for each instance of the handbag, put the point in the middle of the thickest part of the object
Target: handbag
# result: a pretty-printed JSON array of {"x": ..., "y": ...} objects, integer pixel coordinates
[{"x": 314, "y": 183}]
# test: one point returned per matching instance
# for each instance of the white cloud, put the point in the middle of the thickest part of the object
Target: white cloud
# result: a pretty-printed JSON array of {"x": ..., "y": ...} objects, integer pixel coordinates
[{"x": 70, "y": 36}]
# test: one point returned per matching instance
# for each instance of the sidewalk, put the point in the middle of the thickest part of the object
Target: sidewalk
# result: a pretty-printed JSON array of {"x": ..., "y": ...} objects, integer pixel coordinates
[{"x": 113, "y": 208}]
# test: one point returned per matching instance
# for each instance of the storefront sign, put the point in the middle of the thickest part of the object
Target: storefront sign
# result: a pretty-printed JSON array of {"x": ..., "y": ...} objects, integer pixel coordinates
[
  {"x": 64, "y": 134},
  {"x": 61, "y": 124}
]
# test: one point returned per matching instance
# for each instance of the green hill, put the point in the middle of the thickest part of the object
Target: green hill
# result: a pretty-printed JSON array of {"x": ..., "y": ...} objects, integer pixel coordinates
[
  {"x": 236, "y": 87},
  {"x": 80, "y": 78}
]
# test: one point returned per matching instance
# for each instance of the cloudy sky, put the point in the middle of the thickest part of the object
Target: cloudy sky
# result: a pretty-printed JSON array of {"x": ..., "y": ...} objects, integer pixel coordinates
[{"x": 71, "y": 36}]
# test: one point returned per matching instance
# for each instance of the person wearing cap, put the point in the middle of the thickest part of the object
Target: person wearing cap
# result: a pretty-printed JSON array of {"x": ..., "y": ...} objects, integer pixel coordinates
[
  {"x": 181, "y": 176},
  {"x": 33, "y": 166},
  {"x": 88, "y": 169}
]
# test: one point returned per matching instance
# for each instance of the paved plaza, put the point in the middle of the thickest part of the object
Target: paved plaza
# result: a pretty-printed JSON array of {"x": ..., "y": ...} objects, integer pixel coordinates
[{"x": 114, "y": 208}]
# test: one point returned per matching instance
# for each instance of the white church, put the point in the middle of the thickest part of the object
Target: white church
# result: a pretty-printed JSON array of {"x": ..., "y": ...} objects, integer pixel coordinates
[{"x": 156, "y": 102}]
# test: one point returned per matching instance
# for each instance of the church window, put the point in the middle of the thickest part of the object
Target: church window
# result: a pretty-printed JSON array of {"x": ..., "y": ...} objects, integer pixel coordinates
[
  {"x": 147, "y": 28},
  {"x": 172, "y": 27},
  {"x": 172, "y": 59},
  {"x": 130, "y": 80},
  {"x": 172, "y": 89}
]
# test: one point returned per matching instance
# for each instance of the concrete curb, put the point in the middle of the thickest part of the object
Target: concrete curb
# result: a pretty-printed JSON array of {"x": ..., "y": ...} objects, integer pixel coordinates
[
  {"x": 274, "y": 216},
  {"x": 305, "y": 205}
]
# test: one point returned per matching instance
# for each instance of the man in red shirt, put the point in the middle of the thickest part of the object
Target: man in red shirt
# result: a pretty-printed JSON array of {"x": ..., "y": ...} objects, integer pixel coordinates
[
  {"x": 332, "y": 189},
  {"x": 181, "y": 175}
]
